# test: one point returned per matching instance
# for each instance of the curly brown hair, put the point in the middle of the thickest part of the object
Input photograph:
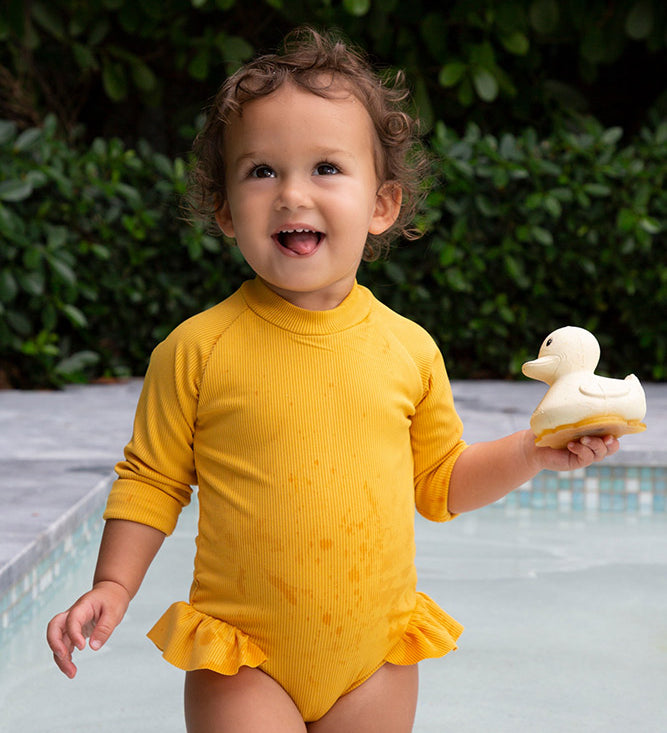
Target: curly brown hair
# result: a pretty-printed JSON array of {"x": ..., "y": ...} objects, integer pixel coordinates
[{"x": 318, "y": 63}]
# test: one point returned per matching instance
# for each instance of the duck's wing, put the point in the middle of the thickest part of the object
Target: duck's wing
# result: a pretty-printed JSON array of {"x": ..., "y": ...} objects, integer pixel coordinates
[{"x": 605, "y": 388}]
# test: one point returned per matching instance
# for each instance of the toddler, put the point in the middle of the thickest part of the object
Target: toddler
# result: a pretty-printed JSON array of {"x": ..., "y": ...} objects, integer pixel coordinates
[{"x": 312, "y": 419}]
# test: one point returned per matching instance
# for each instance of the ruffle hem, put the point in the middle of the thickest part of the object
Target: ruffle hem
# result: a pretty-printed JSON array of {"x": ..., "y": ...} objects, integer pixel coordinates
[{"x": 190, "y": 639}]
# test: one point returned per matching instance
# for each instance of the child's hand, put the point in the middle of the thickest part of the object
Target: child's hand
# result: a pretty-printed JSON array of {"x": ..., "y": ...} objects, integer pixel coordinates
[
  {"x": 578, "y": 454},
  {"x": 96, "y": 614}
]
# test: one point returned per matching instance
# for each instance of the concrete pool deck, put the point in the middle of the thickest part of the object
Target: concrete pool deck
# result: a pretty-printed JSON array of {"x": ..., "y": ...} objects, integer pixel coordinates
[
  {"x": 565, "y": 611},
  {"x": 58, "y": 449}
]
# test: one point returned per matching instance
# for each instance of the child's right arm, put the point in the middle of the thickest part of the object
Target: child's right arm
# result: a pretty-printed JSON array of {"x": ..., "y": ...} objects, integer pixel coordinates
[{"x": 126, "y": 551}]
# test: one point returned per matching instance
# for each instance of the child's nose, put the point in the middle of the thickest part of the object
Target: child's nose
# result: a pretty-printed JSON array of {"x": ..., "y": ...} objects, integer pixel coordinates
[{"x": 293, "y": 194}]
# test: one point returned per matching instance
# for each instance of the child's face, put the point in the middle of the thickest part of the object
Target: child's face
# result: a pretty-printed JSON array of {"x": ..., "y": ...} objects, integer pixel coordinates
[{"x": 302, "y": 192}]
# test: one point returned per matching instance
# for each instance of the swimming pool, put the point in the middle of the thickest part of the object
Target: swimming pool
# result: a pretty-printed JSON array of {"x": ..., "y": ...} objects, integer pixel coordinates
[{"x": 565, "y": 614}]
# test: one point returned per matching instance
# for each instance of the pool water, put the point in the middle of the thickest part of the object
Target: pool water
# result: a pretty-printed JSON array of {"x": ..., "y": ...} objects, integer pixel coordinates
[{"x": 565, "y": 615}]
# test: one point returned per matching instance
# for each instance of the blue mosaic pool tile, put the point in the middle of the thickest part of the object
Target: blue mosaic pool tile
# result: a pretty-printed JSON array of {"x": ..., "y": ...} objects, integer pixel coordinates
[
  {"x": 24, "y": 597},
  {"x": 634, "y": 489},
  {"x": 578, "y": 501}
]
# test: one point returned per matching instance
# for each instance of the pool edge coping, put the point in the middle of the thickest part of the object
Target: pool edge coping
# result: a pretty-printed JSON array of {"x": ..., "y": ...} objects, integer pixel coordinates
[{"x": 19, "y": 567}]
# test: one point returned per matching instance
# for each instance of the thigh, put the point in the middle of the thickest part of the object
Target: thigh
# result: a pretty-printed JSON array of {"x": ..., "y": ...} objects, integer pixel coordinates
[
  {"x": 247, "y": 702},
  {"x": 384, "y": 703}
]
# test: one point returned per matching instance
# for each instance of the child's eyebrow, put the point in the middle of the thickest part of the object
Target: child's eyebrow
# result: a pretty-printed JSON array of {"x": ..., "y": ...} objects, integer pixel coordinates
[
  {"x": 253, "y": 156},
  {"x": 335, "y": 153}
]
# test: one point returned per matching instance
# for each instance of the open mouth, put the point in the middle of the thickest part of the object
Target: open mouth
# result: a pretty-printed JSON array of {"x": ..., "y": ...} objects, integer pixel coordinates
[{"x": 300, "y": 241}]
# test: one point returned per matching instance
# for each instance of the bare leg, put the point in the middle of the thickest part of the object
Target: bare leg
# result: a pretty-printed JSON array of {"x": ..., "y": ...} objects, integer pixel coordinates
[
  {"x": 385, "y": 703},
  {"x": 248, "y": 702}
]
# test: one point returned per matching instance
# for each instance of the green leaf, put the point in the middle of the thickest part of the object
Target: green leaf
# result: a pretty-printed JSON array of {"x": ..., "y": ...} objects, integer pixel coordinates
[
  {"x": 234, "y": 48},
  {"x": 599, "y": 190},
  {"x": 544, "y": 16},
  {"x": 84, "y": 57},
  {"x": 486, "y": 207},
  {"x": 198, "y": 67},
  {"x": 661, "y": 133},
  {"x": 543, "y": 236},
  {"x": 485, "y": 84},
  {"x": 456, "y": 280},
  {"x": 31, "y": 282},
  {"x": 11, "y": 224},
  {"x": 357, "y": 7},
  {"x": 553, "y": 206},
  {"x": 515, "y": 270},
  {"x": 32, "y": 257},
  {"x": 77, "y": 362},
  {"x": 639, "y": 21},
  {"x": 8, "y": 287},
  {"x": 452, "y": 73},
  {"x": 15, "y": 190},
  {"x": 626, "y": 220},
  {"x": 63, "y": 270},
  {"x": 19, "y": 322},
  {"x": 100, "y": 251},
  {"x": 74, "y": 315},
  {"x": 28, "y": 139},
  {"x": 516, "y": 43},
  {"x": 612, "y": 135},
  {"x": 7, "y": 132},
  {"x": 36, "y": 178},
  {"x": 56, "y": 237},
  {"x": 143, "y": 76},
  {"x": 650, "y": 226},
  {"x": 49, "y": 20},
  {"x": 114, "y": 81},
  {"x": 99, "y": 32},
  {"x": 466, "y": 93},
  {"x": 395, "y": 272}
]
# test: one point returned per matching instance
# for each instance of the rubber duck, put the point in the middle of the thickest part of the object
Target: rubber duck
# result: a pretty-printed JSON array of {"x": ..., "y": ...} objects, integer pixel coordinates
[{"x": 579, "y": 402}]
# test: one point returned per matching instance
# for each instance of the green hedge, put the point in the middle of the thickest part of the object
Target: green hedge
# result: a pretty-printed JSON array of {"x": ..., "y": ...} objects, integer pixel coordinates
[
  {"x": 142, "y": 69},
  {"x": 523, "y": 235},
  {"x": 526, "y": 235},
  {"x": 96, "y": 264}
]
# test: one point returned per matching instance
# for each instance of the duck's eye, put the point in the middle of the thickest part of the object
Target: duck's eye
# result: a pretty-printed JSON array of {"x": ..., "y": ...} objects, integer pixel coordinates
[{"x": 549, "y": 342}]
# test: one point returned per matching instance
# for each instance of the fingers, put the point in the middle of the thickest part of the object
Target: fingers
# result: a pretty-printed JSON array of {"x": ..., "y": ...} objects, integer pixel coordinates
[
  {"x": 68, "y": 631},
  {"x": 104, "y": 628},
  {"x": 95, "y": 615},
  {"x": 61, "y": 644},
  {"x": 590, "y": 449}
]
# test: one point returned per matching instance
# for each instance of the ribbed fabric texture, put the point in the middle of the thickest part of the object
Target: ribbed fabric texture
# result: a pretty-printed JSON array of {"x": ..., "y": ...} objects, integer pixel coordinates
[{"x": 311, "y": 435}]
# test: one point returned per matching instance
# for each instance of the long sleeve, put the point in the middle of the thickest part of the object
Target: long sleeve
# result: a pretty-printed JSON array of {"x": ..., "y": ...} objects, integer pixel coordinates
[
  {"x": 436, "y": 443},
  {"x": 154, "y": 481}
]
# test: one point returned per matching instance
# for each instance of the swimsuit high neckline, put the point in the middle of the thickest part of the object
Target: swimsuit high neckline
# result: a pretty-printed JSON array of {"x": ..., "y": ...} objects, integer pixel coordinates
[{"x": 272, "y": 307}]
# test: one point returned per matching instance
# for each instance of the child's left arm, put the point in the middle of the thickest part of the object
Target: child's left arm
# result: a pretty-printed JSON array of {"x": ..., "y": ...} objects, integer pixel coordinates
[{"x": 485, "y": 472}]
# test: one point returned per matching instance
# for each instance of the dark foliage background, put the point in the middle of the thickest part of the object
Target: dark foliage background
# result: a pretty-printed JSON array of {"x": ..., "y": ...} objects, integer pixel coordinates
[{"x": 547, "y": 120}]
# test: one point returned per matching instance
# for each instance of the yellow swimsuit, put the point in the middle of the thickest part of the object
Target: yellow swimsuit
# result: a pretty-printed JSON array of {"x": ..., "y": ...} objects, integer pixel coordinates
[{"x": 311, "y": 436}]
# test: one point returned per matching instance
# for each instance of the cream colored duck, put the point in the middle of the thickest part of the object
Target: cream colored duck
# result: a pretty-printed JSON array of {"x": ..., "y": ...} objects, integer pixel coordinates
[{"x": 579, "y": 402}]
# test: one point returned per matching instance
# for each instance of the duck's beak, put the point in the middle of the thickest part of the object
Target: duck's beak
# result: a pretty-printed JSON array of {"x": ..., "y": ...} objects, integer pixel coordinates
[{"x": 543, "y": 368}]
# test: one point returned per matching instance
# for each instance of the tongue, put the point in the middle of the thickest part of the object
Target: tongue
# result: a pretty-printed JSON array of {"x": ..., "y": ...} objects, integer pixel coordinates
[{"x": 303, "y": 243}]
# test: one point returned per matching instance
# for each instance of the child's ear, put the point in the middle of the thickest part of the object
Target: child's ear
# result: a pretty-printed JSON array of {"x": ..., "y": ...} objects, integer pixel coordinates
[
  {"x": 224, "y": 218},
  {"x": 387, "y": 207}
]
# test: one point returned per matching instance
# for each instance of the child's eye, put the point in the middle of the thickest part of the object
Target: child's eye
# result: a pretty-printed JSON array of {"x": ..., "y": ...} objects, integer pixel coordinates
[
  {"x": 326, "y": 169},
  {"x": 262, "y": 171}
]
